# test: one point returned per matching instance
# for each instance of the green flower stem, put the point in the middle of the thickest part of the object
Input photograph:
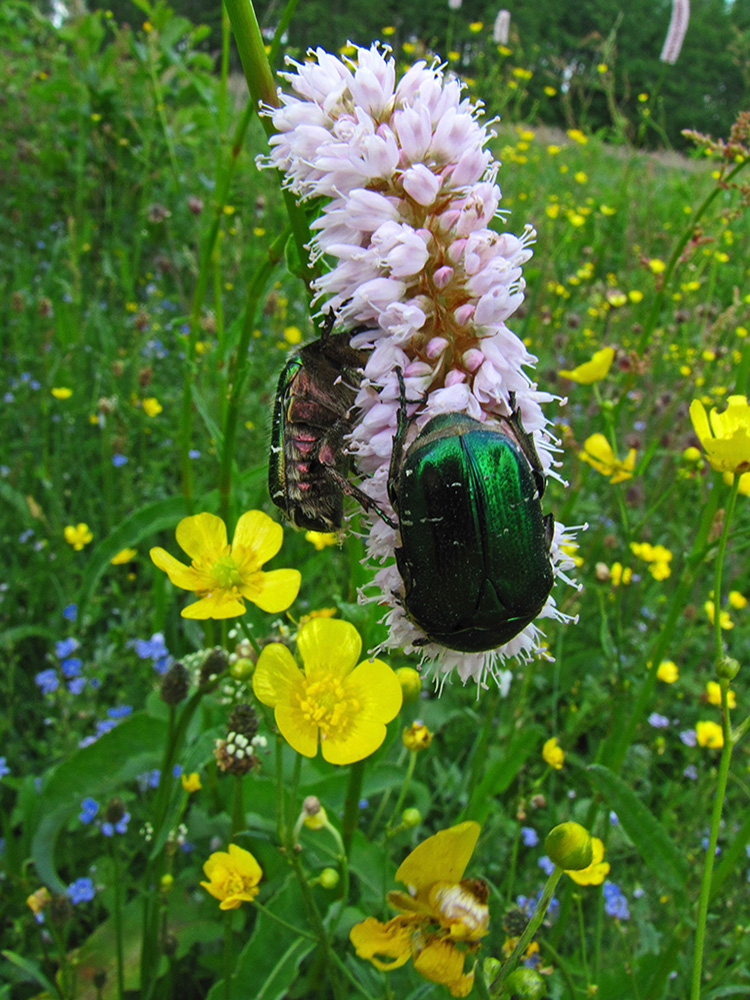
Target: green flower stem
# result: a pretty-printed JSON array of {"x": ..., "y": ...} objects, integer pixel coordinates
[
  {"x": 238, "y": 808},
  {"x": 317, "y": 923},
  {"x": 726, "y": 757},
  {"x": 351, "y": 804},
  {"x": 529, "y": 931},
  {"x": 512, "y": 866},
  {"x": 394, "y": 820},
  {"x": 262, "y": 87},
  {"x": 228, "y": 950},
  {"x": 249, "y": 636},
  {"x": 284, "y": 23},
  {"x": 582, "y": 933},
  {"x": 238, "y": 370},
  {"x": 117, "y": 918},
  {"x": 281, "y": 823},
  {"x": 728, "y": 512},
  {"x": 708, "y": 866}
]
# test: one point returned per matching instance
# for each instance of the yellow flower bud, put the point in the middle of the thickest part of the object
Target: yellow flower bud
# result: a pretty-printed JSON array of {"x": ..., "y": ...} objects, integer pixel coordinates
[
  {"x": 411, "y": 684},
  {"x": 166, "y": 883},
  {"x": 416, "y": 736},
  {"x": 315, "y": 817},
  {"x": 242, "y": 669},
  {"x": 569, "y": 846}
]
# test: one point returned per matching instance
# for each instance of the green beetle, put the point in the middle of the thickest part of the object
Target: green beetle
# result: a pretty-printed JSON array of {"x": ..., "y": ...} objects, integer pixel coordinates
[{"x": 475, "y": 546}]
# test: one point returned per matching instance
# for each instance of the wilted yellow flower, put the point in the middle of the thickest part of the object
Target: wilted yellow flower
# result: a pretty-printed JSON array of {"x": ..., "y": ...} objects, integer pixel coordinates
[
  {"x": 725, "y": 621},
  {"x": 442, "y": 917},
  {"x": 709, "y": 734},
  {"x": 191, "y": 782},
  {"x": 594, "y": 370},
  {"x": 151, "y": 406},
  {"x": 553, "y": 753},
  {"x": 725, "y": 437},
  {"x": 233, "y": 877},
  {"x": 737, "y": 600},
  {"x": 713, "y": 694},
  {"x": 123, "y": 557},
  {"x": 78, "y": 535},
  {"x": 668, "y": 671},
  {"x": 597, "y": 451},
  {"x": 38, "y": 900},
  {"x": 341, "y": 705},
  {"x": 416, "y": 736},
  {"x": 61, "y": 392},
  {"x": 225, "y": 576},
  {"x": 597, "y": 871}
]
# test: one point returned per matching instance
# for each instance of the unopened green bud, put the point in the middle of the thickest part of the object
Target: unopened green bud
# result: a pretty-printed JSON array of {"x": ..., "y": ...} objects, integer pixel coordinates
[
  {"x": 329, "y": 878},
  {"x": 411, "y": 817},
  {"x": 242, "y": 669},
  {"x": 569, "y": 846},
  {"x": 727, "y": 668},
  {"x": 524, "y": 984},
  {"x": 411, "y": 684},
  {"x": 491, "y": 967}
]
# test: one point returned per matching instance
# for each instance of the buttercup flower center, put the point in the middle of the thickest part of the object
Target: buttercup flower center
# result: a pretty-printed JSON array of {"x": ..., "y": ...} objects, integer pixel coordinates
[
  {"x": 226, "y": 573},
  {"x": 326, "y": 703}
]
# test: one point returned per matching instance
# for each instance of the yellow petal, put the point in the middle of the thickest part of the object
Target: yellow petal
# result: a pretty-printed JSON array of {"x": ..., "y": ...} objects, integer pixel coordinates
[
  {"x": 363, "y": 738},
  {"x": 441, "y": 858},
  {"x": 278, "y": 589},
  {"x": 244, "y": 863},
  {"x": 257, "y": 536},
  {"x": 276, "y": 675},
  {"x": 378, "y": 690},
  {"x": 297, "y": 730},
  {"x": 441, "y": 962},
  {"x": 391, "y": 940},
  {"x": 202, "y": 536},
  {"x": 218, "y": 605},
  {"x": 182, "y": 576},
  {"x": 699, "y": 418},
  {"x": 329, "y": 645},
  {"x": 594, "y": 370}
]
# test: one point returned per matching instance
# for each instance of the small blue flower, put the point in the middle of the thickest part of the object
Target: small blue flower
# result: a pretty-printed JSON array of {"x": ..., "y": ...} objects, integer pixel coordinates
[
  {"x": 119, "y": 460},
  {"x": 529, "y": 836},
  {"x": 119, "y": 711},
  {"x": 104, "y": 726},
  {"x": 77, "y": 685},
  {"x": 658, "y": 721},
  {"x": 64, "y": 647},
  {"x": 89, "y": 809},
  {"x": 35, "y": 384},
  {"x": 121, "y": 826},
  {"x": 614, "y": 819},
  {"x": 177, "y": 770},
  {"x": 47, "y": 680},
  {"x": 70, "y": 612},
  {"x": 689, "y": 738},
  {"x": 4, "y": 769},
  {"x": 704, "y": 845},
  {"x": 71, "y": 666},
  {"x": 26, "y": 536},
  {"x": 615, "y": 903},
  {"x": 81, "y": 891},
  {"x": 194, "y": 454},
  {"x": 546, "y": 864},
  {"x": 150, "y": 779},
  {"x": 153, "y": 649},
  {"x": 691, "y": 771}
]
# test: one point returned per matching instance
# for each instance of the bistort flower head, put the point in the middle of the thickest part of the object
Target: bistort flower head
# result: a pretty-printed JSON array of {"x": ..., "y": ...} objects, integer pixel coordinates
[
  {"x": 336, "y": 702},
  {"x": 225, "y": 576},
  {"x": 725, "y": 437},
  {"x": 442, "y": 917},
  {"x": 233, "y": 877},
  {"x": 409, "y": 193}
]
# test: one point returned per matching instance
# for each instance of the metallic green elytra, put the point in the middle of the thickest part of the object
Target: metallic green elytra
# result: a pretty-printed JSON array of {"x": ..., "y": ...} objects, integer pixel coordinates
[
  {"x": 475, "y": 546},
  {"x": 307, "y": 465}
]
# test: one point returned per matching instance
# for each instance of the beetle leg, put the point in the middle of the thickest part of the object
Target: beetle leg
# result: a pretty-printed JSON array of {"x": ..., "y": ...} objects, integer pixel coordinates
[
  {"x": 350, "y": 490},
  {"x": 526, "y": 444},
  {"x": 549, "y": 529}
]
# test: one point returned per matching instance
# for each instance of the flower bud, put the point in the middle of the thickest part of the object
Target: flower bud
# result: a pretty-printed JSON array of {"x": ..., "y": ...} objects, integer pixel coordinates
[
  {"x": 315, "y": 817},
  {"x": 411, "y": 817},
  {"x": 329, "y": 878},
  {"x": 174, "y": 685},
  {"x": 242, "y": 669},
  {"x": 524, "y": 984},
  {"x": 569, "y": 846},
  {"x": 214, "y": 664},
  {"x": 411, "y": 684},
  {"x": 727, "y": 668},
  {"x": 166, "y": 883},
  {"x": 416, "y": 736},
  {"x": 692, "y": 456}
]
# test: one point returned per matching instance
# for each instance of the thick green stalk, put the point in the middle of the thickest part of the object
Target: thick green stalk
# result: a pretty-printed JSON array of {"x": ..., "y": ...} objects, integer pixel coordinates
[{"x": 351, "y": 805}]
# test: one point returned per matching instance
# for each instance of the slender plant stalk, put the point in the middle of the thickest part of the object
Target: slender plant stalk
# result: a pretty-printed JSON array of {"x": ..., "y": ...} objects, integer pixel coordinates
[
  {"x": 228, "y": 950},
  {"x": 394, "y": 821},
  {"x": 351, "y": 804},
  {"x": 726, "y": 757},
  {"x": 117, "y": 917}
]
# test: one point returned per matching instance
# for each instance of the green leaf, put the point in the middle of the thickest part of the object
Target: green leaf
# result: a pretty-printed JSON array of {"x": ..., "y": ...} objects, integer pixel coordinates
[
  {"x": 144, "y": 523},
  {"x": 135, "y": 745},
  {"x": 502, "y": 772},
  {"x": 15, "y": 499},
  {"x": 651, "y": 840},
  {"x": 207, "y": 417},
  {"x": 730, "y": 856},
  {"x": 18, "y": 633},
  {"x": 31, "y": 969}
]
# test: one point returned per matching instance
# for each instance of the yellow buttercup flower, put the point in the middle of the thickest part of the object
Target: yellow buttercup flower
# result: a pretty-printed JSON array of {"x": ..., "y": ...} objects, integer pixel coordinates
[
  {"x": 597, "y": 451},
  {"x": 667, "y": 671},
  {"x": 713, "y": 695},
  {"x": 553, "y": 753},
  {"x": 191, "y": 783},
  {"x": 233, "y": 877},
  {"x": 594, "y": 370},
  {"x": 336, "y": 702},
  {"x": 225, "y": 576},
  {"x": 61, "y": 392},
  {"x": 709, "y": 734},
  {"x": 151, "y": 406},
  {"x": 321, "y": 539},
  {"x": 442, "y": 917},
  {"x": 38, "y": 900},
  {"x": 737, "y": 600},
  {"x": 78, "y": 535},
  {"x": 597, "y": 870},
  {"x": 725, "y": 437},
  {"x": 416, "y": 736},
  {"x": 725, "y": 620}
]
